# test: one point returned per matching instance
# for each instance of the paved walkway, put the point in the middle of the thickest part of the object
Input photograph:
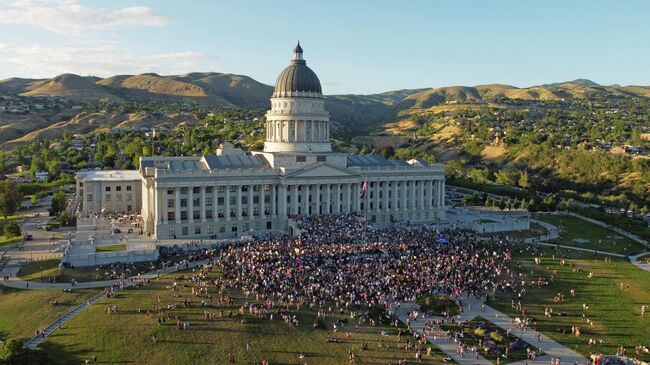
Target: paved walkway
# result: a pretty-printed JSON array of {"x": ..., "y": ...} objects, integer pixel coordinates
[{"x": 550, "y": 347}]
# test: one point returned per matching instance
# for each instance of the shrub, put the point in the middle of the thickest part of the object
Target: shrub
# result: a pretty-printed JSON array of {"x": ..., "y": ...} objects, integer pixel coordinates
[
  {"x": 480, "y": 332},
  {"x": 497, "y": 337}
]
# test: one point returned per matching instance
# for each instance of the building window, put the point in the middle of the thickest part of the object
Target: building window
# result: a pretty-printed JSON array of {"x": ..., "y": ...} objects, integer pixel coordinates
[
  {"x": 208, "y": 213},
  {"x": 244, "y": 188},
  {"x": 128, "y": 188},
  {"x": 301, "y": 158},
  {"x": 118, "y": 197},
  {"x": 118, "y": 188},
  {"x": 184, "y": 190},
  {"x": 321, "y": 158},
  {"x": 185, "y": 231},
  {"x": 256, "y": 188},
  {"x": 233, "y": 228},
  {"x": 89, "y": 197},
  {"x": 108, "y": 197},
  {"x": 232, "y": 213},
  {"x": 222, "y": 229},
  {"x": 184, "y": 216},
  {"x": 221, "y": 189},
  {"x": 244, "y": 212},
  {"x": 210, "y": 229},
  {"x": 208, "y": 189},
  {"x": 220, "y": 200},
  {"x": 245, "y": 227},
  {"x": 233, "y": 188},
  {"x": 208, "y": 201},
  {"x": 244, "y": 200},
  {"x": 171, "y": 203},
  {"x": 233, "y": 200},
  {"x": 108, "y": 188},
  {"x": 197, "y": 229},
  {"x": 220, "y": 213},
  {"x": 269, "y": 225},
  {"x": 129, "y": 197},
  {"x": 183, "y": 203},
  {"x": 256, "y": 212},
  {"x": 171, "y": 216},
  {"x": 169, "y": 191},
  {"x": 196, "y": 190},
  {"x": 172, "y": 232},
  {"x": 196, "y": 214},
  {"x": 129, "y": 208},
  {"x": 196, "y": 202}
]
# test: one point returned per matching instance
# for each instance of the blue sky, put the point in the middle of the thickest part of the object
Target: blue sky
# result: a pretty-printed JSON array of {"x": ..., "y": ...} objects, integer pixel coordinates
[{"x": 354, "y": 46}]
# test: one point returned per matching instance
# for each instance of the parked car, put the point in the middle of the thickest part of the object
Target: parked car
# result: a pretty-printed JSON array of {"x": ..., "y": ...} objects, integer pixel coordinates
[{"x": 28, "y": 236}]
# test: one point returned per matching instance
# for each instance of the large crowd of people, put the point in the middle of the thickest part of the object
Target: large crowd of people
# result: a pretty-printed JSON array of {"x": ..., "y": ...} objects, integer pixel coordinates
[{"x": 340, "y": 259}]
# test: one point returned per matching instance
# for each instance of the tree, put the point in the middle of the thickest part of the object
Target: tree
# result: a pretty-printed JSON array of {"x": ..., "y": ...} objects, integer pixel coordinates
[
  {"x": 505, "y": 177},
  {"x": 12, "y": 229},
  {"x": 14, "y": 352},
  {"x": 523, "y": 204},
  {"x": 532, "y": 205},
  {"x": 53, "y": 167},
  {"x": 58, "y": 203},
  {"x": 523, "y": 180},
  {"x": 37, "y": 165},
  {"x": 387, "y": 151},
  {"x": 10, "y": 198},
  {"x": 502, "y": 204}
]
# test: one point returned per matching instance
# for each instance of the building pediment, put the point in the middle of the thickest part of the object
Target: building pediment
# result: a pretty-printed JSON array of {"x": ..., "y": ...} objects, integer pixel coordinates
[{"x": 321, "y": 170}]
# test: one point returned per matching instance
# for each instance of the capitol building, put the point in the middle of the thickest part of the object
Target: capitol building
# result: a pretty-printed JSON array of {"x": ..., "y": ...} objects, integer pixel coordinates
[{"x": 234, "y": 193}]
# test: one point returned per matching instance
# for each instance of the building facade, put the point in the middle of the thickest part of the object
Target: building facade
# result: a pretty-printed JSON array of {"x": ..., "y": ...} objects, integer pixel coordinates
[
  {"x": 233, "y": 194},
  {"x": 116, "y": 191}
]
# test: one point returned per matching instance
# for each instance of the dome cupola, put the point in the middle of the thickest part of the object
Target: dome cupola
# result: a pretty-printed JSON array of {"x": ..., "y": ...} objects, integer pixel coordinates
[{"x": 297, "y": 79}]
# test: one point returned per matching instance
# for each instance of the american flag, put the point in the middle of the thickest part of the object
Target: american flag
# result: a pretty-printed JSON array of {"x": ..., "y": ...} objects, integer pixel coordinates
[{"x": 364, "y": 189}]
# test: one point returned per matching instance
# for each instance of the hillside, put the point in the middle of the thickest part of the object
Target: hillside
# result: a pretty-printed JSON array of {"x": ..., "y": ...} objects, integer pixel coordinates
[
  {"x": 352, "y": 115},
  {"x": 73, "y": 87}
]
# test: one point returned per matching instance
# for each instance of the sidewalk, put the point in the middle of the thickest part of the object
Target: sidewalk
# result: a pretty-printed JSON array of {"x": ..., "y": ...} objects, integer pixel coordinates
[{"x": 550, "y": 347}]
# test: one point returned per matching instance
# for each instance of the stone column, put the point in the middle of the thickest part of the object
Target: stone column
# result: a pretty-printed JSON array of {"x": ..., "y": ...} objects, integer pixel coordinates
[
  {"x": 164, "y": 207},
  {"x": 337, "y": 200},
  {"x": 295, "y": 199},
  {"x": 347, "y": 198},
  {"x": 250, "y": 202},
  {"x": 262, "y": 204},
  {"x": 386, "y": 195},
  {"x": 357, "y": 195},
  {"x": 215, "y": 203},
  {"x": 328, "y": 198},
  {"x": 412, "y": 192},
  {"x": 295, "y": 130},
  {"x": 203, "y": 205},
  {"x": 376, "y": 192},
  {"x": 177, "y": 204},
  {"x": 306, "y": 193},
  {"x": 282, "y": 201},
  {"x": 157, "y": 209},
  {"x": 422, "y": 198},
  {"x": 226, "y": 203},
  {"x": 317, "y": 198},
  {"x": 395, "y": 195},
  {"x": 442, "y": 193},
  {"x": 403, "y": 197},
  {"x": 239, "y": 205},
  {"x": 190, "y": 204}
]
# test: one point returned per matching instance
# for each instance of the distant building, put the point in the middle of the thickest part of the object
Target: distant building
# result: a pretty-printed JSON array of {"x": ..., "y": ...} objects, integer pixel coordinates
[
  {"x": 41, "y": 176},
  {"x": 116, "y": 191}
]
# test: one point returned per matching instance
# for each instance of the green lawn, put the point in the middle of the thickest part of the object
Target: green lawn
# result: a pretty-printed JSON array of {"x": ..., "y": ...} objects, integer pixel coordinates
[
  {"x": 436, "y": 305},
  {"x": 4, "y": 240},
  {"x": 24, "y": 311},
  {"x": 109, "y": 248},
  {"x": 125, "y": 337},
  {"x": 614, "y": 310},
  {"x": 576, "y": 228},
  {"x": 50, "y": 269}
]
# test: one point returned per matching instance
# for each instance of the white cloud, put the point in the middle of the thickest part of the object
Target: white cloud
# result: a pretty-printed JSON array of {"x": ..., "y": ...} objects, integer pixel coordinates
[
  {"x": 72, "y": 18},
  {"x": 104, "y": 60}
]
